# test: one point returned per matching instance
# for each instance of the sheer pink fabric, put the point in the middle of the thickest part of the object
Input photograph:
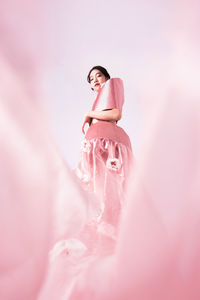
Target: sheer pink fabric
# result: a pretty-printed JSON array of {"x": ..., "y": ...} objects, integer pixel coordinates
[
  {"x": 36, "y": 188},
  {"x": 104, "y": 166},
  {"x": 157, "y": 252}
]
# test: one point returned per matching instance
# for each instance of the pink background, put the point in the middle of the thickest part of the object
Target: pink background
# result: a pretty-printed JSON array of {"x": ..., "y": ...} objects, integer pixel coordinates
[
  {"x": 154, "y": 46},
  {"x": 151, "y": 45},
  {"x": 143, "y": 42}
]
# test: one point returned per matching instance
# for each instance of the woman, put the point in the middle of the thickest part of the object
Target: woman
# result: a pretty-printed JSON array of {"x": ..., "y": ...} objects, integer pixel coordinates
[{"x": 106, "y": 156}]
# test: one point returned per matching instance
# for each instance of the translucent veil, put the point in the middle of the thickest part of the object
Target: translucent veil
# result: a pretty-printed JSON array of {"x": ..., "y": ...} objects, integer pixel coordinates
[{"x": 157, "y": 254}]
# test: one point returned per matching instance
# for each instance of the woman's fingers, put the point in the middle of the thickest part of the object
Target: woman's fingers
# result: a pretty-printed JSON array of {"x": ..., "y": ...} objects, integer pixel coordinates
[
  {"x": 83, "y": 131},
  {"x": 88, "y": 120}
]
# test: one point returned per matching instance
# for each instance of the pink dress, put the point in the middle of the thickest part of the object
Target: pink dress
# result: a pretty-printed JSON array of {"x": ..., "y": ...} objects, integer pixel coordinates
[
  {"x": 158, "y": 247},
  {"x": 106, "y": 158}
]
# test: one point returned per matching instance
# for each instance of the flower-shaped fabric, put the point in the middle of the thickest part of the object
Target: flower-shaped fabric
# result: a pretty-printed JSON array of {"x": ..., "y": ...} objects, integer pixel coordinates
[
  {"x": 86, "y": 146},
  {"x": 85, "y": 178},
  {"x": 73, "y": 247},
  {"x": 113, "y": 164}
]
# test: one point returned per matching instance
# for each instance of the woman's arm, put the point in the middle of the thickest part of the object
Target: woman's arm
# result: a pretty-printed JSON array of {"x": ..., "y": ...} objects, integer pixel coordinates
[{"x": 104, "y": 115}]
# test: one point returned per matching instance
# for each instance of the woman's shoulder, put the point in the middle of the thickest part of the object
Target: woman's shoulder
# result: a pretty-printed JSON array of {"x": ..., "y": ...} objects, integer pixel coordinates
[
  {"x": 111, "y": 95},
  {"x": 115, "y": 80}
]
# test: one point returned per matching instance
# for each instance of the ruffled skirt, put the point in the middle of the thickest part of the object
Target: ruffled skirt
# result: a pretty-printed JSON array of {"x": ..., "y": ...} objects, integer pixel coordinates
[{"x": 104, "y": 168}]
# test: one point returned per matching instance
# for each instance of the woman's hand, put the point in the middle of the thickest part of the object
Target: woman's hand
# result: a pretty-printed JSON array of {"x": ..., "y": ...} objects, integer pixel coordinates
[{"x": 87, "y": 119}]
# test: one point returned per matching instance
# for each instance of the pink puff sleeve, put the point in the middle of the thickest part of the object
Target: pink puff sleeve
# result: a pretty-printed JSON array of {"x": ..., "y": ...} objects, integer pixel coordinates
[{"x": 110, "y": 96}]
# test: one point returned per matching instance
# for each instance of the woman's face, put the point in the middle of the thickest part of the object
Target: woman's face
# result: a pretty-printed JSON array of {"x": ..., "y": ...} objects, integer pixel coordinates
[{"x": 97, "y": 79}]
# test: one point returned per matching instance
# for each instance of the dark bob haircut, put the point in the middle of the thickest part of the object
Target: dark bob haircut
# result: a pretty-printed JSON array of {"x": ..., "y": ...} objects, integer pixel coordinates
[{"x": 101, "y": 69}]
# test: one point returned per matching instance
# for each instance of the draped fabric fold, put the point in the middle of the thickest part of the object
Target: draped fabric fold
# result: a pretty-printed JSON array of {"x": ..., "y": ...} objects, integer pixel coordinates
[{"x": 96, "y": 236}]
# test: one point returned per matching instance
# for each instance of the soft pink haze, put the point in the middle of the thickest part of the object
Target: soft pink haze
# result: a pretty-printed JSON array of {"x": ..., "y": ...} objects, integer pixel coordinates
[{"x": 46, "y": 51}]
